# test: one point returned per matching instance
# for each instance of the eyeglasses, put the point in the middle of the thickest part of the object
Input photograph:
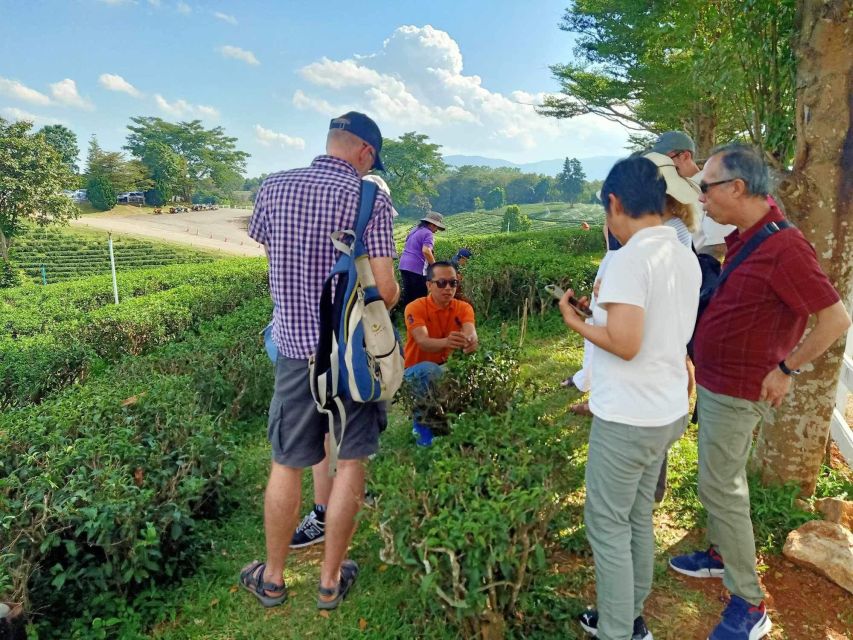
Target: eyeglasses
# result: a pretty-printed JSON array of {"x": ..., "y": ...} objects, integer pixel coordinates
[
  {"x": 442, "y": 283},
  {"x": 706, "y": 186}
]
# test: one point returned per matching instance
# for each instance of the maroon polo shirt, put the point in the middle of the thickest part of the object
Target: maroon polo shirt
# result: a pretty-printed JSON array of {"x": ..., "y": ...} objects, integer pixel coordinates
[{"x": 759, "y": 314}]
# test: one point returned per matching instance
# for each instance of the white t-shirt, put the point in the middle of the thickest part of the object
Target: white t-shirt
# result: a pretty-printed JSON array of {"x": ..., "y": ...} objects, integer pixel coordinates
[
  {"x": 708, "y": 231},
  {"x": 656, "y": 272}
]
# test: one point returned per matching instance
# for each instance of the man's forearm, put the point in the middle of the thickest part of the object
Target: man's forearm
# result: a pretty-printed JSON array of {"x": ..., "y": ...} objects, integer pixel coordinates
[
  {"x": 432, "y": 345},
  {"x": 831, "y": 324}
]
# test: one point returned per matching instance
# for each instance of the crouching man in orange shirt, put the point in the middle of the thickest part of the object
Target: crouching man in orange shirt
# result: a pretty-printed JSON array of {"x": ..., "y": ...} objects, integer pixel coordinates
[{"x": 436, "y": 325}]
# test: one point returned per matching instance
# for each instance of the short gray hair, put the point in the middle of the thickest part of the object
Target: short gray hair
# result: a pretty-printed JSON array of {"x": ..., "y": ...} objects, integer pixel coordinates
[{"x": 745, "y": 162}]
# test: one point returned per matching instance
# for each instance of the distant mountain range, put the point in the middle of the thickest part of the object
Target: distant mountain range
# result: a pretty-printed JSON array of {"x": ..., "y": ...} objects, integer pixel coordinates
[{"x": 595, "y": 168}]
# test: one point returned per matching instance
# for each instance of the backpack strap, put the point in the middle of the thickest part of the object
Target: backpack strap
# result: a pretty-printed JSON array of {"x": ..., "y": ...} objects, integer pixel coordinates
[
  {"x": 752, "y": 244},
  {"x": 367, "y": 199}
]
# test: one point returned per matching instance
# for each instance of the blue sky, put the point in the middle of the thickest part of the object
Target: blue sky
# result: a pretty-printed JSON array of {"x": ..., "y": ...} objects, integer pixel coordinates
[{"x": 273, "y": 73}]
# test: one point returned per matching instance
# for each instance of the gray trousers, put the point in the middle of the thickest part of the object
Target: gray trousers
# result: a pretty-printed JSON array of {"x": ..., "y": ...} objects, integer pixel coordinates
[
  {"x": 726, "y": 426},
  {"x": 621, "y": 474}
]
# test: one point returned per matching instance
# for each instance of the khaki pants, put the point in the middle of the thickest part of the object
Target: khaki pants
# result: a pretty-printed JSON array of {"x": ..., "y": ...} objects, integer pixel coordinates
[
  {"x": 621, "y": 474},
  {"x": 726, "y": 425}
]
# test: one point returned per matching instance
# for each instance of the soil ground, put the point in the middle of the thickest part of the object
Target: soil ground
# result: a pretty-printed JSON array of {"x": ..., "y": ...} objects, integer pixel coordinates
[{"x": 223, "y": 230}]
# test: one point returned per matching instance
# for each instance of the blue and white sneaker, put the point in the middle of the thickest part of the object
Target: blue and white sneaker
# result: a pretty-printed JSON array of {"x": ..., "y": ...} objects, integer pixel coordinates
[
  {"x": 699, "y": 564},
  {"x": 589, "y": 622},
  {"x": 742, "y": 621}
]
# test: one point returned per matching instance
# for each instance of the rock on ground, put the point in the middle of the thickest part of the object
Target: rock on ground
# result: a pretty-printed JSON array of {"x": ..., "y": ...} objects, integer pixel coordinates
[
  {"x": 836, "y": 510},
  {"x": 823, "y": 547}
]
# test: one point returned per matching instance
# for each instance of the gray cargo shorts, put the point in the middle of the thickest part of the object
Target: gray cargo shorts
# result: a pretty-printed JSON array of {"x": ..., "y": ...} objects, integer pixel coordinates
[{"x": 297, "y": 430}]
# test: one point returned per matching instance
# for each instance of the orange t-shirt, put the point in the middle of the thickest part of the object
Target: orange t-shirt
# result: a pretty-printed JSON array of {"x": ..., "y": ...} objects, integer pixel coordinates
[{"x": 439, "y": 322}]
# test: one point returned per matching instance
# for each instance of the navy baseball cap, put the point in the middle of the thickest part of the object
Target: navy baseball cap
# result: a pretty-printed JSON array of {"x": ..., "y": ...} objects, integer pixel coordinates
[
  {"x": 464, "y": 252},
  {"x": 363, "y": 127}
]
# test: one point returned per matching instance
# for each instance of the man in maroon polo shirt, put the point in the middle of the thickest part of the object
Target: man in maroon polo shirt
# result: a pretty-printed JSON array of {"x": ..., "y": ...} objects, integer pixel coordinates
[{"x": 745, "y": 354}]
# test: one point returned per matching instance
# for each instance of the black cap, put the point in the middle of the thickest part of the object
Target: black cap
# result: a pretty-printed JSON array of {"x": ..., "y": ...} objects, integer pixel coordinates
[{"x": 365, "y": 128}]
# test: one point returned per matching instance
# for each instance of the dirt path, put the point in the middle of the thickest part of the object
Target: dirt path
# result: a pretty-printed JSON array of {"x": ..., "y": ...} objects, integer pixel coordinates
[{"x": 223, "y": 230}]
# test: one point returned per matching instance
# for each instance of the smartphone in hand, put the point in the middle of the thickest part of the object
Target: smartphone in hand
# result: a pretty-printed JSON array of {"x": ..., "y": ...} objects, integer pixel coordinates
[{"x": 558, "y": 293}]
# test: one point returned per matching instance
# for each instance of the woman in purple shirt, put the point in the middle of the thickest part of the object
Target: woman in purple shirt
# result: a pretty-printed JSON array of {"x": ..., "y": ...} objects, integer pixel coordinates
[{"x": 417, "y": 255}]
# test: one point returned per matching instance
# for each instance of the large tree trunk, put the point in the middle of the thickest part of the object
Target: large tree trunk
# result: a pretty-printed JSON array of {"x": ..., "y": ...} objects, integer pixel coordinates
[
  {"x": 704, "y": 127},
  {"x": 817, "y": 195}
]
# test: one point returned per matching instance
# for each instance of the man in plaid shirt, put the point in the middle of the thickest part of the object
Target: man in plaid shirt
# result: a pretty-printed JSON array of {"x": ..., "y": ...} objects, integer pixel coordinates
[
  {"x": 295, "y": 211},
  {"x": 746, "y": 354}
]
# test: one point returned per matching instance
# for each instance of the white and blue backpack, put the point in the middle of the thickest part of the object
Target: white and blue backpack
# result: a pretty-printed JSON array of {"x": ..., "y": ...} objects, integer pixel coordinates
[{"x": 358, "y": 353}]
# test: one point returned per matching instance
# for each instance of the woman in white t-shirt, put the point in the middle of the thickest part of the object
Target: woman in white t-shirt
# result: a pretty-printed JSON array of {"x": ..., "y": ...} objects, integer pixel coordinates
[{"x": 645, "y": 313}]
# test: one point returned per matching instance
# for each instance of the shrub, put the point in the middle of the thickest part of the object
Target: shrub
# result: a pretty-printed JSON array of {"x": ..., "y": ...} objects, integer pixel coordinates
[
  {"x": 101, "y": 193},
  {"x": 484, "y": 381},
  {"x": 467, "y": 518},
  {"x": 103, "y": 485},
  {"x": 514, "y": 220},
  {"x": 507, "y": 269},
  {"x": 33, "y": 366}
]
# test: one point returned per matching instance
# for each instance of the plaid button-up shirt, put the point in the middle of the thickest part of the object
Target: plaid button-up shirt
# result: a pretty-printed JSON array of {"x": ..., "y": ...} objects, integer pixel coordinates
[{"x": 295, "y": 211}]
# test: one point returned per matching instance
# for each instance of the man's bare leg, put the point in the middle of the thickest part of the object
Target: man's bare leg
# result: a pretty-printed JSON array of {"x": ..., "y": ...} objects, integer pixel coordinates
[
  {"x": 322, "y": 481},
  {"x": 344, "y": 503},
  {"x": 281, "y": 514}
]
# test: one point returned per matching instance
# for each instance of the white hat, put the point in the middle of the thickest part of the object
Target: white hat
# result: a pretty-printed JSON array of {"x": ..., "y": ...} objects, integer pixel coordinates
[
  {"x": 682, "y": 189},
  {"x": 378, "y": 182}
]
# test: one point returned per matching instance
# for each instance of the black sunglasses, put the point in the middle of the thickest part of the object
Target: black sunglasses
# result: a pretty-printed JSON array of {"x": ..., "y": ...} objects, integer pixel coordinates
[
  {"x": 706, "y": 186},
  {"x": 442, "y": 283}
]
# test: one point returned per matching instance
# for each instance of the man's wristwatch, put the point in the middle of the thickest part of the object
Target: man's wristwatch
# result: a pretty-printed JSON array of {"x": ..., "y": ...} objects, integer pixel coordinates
[{"x": 787, "y": 371}]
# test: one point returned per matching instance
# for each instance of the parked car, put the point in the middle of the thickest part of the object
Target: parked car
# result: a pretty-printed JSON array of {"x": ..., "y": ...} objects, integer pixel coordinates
[{"x": 131, "y": 197}]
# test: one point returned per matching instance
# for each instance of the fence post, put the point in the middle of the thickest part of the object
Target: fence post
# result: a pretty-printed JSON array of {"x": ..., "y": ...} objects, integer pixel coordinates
[
  {"x": 839, "y": 428},
  {"x": 113, "y": 268},
  {"x": 43, "y": 275}
]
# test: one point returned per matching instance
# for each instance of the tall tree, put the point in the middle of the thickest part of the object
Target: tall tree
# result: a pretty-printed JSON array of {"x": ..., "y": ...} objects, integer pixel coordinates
[
  {"x": 817, "y": 194},
  {"x": 678, "y": 64},
  {"x": 570, "y": 180},
  {"x": 411, "y": 166},
  {"x": 122, "y": 174},
  {"x": 167, "y": 170},
  {"x": 495, "y": 198},
  {"x": 208, "y": 153},
  {"x": 64, "y": 140},
  {"x": 32, "y": 177}
]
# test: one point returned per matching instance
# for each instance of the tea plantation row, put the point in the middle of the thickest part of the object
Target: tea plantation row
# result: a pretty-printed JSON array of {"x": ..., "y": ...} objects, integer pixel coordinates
[
  {"x": 66, "y": 255},
  {"x": 55, "y": 341}
]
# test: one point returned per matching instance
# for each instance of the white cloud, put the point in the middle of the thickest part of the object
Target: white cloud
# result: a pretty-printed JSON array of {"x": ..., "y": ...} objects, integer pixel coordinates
[
  {"x": 417, "y": 81},
  {"x": 116, "y": 3},
  {"x": 65, "y": 92},
  {"x": 302, "y": 101},
  {"x": 225, "y": 17},
  {"x": 237, "y": 53},
  {"x": 181, "y": 108},
  {"x": 13, "y": 113},
  {"x": 19, "y": 91},
  {"x": 184, "y": 8},
  {"x": 268, "y": 137},
  {"x": 117, "y": 83}
]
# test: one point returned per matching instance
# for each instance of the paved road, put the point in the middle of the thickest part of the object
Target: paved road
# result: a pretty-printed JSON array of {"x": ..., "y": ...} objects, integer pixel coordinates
[{"x": 223, "y": 229}]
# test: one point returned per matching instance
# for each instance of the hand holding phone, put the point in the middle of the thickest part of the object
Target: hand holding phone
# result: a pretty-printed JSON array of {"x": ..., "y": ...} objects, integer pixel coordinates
[{"x": 557, "y": 291}]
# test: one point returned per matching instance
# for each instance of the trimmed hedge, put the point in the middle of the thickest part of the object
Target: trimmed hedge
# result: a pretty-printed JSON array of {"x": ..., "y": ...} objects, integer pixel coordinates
[
  {"x": 510, "y": 267},
  {"x": 33, "y": 366},
  {"x": 31, "y": 309},
  {"x": 102, "y": 486},
  {"x": 67, "y": 254}
]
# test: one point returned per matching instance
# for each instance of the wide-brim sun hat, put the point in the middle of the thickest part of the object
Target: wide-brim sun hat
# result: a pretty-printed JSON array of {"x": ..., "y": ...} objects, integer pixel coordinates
[
  {"x": 434, "y": 217},
  {"x": 682, "y": 189}
]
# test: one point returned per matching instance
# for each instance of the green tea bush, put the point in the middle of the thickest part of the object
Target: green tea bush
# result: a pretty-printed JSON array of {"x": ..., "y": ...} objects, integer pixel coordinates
[
  {"x": 102, "y": 486},
  {"x": 33, "y": 366},
  {"x": 468, "y": 517},
  {"x": 33, "y": 309},
  {"x": 509, "y": 268},
  {"x": 485, "y": 381}
]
